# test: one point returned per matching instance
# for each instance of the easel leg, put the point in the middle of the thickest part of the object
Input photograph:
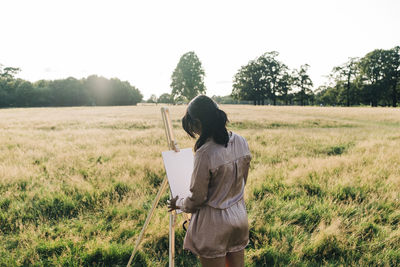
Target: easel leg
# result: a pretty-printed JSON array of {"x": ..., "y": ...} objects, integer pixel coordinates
[
  {"x": 172, "y": 219},
  {"x": 146, "y": 223},
  {"x": 172, "y": 145}
]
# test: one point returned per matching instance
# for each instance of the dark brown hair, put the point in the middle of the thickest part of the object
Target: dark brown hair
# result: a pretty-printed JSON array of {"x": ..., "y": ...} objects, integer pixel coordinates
[{"x": 203, "y": 113}]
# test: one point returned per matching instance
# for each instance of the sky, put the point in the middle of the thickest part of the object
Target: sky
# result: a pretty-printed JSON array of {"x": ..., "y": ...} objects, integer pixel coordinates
[{"x": 142, "y": 41}]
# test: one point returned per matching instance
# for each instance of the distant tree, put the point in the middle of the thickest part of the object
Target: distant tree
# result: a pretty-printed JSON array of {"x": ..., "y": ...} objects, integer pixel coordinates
[
  {"x": 263, "y": 78},
  {"x": 284, "y": 85},
  {"x": 392, "y": 72},
  {"x": 152, "y": 99},
  {"x": 67, "y": 92},
  {"x": 380, "y": 76},
  {"x": 98, "y": 88},
  {"x": 228, "y": 99},
  {"x": 8, "y": 86},
  {"x": 123, "y": 93},
  {"x": 42, "y": 94},
  {"x": 8, "y": 73},
  {"x": 345, "y": 75},
  {"x": 274, "y": 75},
  {"x": 327, "y": 95},
  {"x": 106, "y": 92},
  {"x": 3, "y": 94},
  {"x": 24, "y": 93},
  {"x": 188, "y": 78},
  {"x": 372, "y": 68},
  {"x": 166, "y": 99},
  {"x": 7, "y": 93},
  {"x": 303, "y": 82},
  {"x": 248, "y": 84}
]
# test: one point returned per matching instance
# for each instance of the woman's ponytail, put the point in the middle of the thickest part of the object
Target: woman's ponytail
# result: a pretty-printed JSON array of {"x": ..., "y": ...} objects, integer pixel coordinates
[{"x": 220, "y": 133}]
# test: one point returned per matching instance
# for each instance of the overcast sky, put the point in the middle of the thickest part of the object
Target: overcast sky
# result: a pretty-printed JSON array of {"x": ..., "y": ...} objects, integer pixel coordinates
[{"x": 142, "y": 41}]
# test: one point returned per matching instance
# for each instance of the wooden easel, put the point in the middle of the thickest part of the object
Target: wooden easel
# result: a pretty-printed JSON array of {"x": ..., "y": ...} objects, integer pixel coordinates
[{"x": 173, "y": 145}]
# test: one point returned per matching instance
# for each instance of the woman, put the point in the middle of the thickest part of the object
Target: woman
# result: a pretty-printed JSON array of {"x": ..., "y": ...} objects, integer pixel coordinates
[{"x": 218, "y": 230}]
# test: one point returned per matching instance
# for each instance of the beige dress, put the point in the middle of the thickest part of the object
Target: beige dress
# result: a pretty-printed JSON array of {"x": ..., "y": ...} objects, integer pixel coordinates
[{"x": 219, "y": 219}]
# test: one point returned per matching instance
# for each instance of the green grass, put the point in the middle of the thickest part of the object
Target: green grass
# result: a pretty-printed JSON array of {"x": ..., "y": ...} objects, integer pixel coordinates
[{"x": 76, "y": 185}]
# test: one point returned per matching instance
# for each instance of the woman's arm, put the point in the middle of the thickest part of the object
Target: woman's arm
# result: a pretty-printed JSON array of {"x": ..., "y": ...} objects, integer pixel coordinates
[{"x": 198, "y": 185}]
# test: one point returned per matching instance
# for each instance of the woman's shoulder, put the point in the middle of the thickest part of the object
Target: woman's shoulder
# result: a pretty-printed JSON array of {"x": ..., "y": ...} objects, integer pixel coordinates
[
  {"x": 234, "y": 137},
  {"x": 206, "y": 146},
  {"x": 240, "y": 143},
  {"x": 211, "y": 147}
]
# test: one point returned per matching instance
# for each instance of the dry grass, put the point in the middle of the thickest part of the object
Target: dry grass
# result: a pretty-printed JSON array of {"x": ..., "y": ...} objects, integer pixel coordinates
[{"x": 76, "y": 185}]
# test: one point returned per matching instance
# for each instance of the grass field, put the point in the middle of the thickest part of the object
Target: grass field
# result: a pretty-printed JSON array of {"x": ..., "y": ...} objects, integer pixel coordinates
[{"x": 76, "y": 185}]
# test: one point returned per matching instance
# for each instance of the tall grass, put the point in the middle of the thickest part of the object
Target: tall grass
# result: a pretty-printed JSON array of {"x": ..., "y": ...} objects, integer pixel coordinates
[{"x": 76, "y": 185}]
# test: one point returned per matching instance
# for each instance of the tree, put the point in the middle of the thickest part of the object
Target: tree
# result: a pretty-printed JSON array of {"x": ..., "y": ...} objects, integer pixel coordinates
[
  {"x": 123, "y": 93},
  {"x": 326, "y": 95},
  {"x": 42, "y": 92},
  {"x": 380, "y": 75},
  {"x": 166, "y": 99},
  {"x": 345, "y": 74},
  {"x": 107, "y": 92},
  {"x": 228, "y": 99},
  {"x": 393, "y": 72},
  {"x": 98, "y": 89},
  {"x": 304, "y": 83},
  {"x": 24, "y": 93},
  {"x": 188, "y": 77},
  {"x": 262, "y": 78},
  {"x": 273, "y": 75},
  {"x": 248, "y": 85},
  {"x": 152, "y": 99},
  {"x": 8, "y": 73},
  {"x": 284, "y": 85},
  {"x": 372, "y": 68},
  {"x": 8, "y": 86}
]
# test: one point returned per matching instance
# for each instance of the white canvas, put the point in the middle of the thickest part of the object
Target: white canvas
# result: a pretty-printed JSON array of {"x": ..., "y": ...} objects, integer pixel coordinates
[{"x": 179, "y": 169}]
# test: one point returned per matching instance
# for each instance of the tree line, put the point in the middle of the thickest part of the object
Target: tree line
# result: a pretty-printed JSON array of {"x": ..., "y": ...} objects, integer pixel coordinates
[
  {"x": 262, "y": 80},
  {"x": 91, "y": 91},
  {"x": 371, "y": 80}
]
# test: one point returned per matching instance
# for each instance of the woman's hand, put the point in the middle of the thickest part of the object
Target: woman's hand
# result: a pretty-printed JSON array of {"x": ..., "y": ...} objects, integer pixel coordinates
[{"x": 172, "y": 204}]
